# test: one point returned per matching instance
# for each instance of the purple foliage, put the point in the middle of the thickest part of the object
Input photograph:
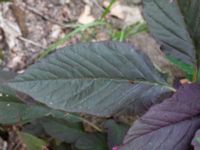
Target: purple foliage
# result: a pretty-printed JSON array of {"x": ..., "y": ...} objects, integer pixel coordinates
[{"x": 170, "y": 125}]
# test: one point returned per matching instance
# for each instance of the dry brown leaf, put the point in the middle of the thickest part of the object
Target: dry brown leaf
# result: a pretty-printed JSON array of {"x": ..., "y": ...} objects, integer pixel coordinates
[
  {"x": 12, "y": 31},
  {"x": 86, "y": 16},
  {"x": 129, "y": 15}
]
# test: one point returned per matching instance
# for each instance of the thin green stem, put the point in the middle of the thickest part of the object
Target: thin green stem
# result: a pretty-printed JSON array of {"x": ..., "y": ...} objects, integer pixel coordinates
[
  {"x": 122, "y": 35},
  {"x": 195, "y": 74},
  {"x": 107, "y": 10}
]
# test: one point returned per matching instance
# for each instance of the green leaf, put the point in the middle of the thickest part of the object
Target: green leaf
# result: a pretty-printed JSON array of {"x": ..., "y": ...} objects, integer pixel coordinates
[
  {"x": 32, "y": 142},
  {"x": 95, "y": 78},
  {"x": 186, "y": 68},
  {"x": 5, "y": 76},
  {"x": 91, "y": 142},
  {"x": 191, "y": 13},
  {"x": 13, "y": 111},
  {"x": 62, "y": 130},
  {"x": 115, "y": 133},
  {"x": 34, "y": 128},
  {"x": 176, "y": 25},
  {"x": 63, "y": 146}
]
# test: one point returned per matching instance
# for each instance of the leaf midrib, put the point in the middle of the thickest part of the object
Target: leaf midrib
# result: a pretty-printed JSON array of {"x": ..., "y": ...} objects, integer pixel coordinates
[{"x": 114, "y": 80}]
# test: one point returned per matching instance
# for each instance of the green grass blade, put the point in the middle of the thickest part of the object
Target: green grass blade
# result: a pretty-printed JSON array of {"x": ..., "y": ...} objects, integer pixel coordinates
[
  {"x": 61, "y": 41},
  {"x": 107, "y": 10}
]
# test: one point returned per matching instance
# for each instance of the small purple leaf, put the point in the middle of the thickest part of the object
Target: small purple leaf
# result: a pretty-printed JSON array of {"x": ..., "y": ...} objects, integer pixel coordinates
[{"x": 170, "y": 125}]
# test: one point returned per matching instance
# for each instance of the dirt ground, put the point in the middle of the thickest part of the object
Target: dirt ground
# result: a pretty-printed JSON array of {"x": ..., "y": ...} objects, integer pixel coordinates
[{"x": 27, "y": 27}]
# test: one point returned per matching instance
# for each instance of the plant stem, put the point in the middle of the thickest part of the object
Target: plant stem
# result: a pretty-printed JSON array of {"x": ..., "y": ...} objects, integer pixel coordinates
[
  {"x": 122, "y": 35},
  {"x": 195, "y": 74},
  {"x": 107, "y": 10}
]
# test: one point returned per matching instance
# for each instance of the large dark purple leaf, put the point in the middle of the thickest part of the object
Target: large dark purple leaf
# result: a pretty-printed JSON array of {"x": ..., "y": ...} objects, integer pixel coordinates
[
  {"x": 175, "y": 23},
  {"x": 196, "y": 141},
  {"x": 167, "y": 126},
  {"x": 95, "y": 78}
]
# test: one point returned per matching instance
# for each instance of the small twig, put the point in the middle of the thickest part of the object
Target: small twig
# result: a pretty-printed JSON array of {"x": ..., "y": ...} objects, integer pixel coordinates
[
  {"x": 19, "y": 15},
  {"x": 31, "y": 42}
]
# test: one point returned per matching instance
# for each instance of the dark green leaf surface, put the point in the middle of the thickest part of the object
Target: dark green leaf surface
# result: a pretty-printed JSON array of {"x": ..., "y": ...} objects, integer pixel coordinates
[
  {"x": 13, "y": 111},
  {"x": 34, "y": 128},
  {"x": 32, "y": 142},
  {"x": 5, "y": 76},
  {"x": 115, "y": 133},
  {"x": 191, "y": 13},
  {"x": 91, "y": 142},
  {"x": 79, "y": 78},
  {"x": 176, "y": 25},
  {"x": 62, "y": 130},
  {"x": 63, "y": 146}
]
